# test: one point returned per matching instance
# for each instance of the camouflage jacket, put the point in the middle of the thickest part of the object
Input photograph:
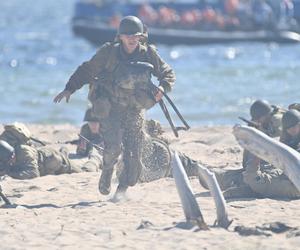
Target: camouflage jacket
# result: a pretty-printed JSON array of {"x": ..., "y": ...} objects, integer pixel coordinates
[
  {"x": 32, "y": 162},
  {"x": 106, "y": 60}
]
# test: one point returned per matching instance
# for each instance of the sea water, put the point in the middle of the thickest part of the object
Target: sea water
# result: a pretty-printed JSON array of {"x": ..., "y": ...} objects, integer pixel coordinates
[{"x": 215, "y": 83}]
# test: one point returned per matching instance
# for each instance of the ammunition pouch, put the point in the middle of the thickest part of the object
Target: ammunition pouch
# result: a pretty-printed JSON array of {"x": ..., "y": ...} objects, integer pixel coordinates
[
  {"x": 132, "y": 85},
  {"x": 101, "y": 107},
  {"x": 144, "y": 99}
]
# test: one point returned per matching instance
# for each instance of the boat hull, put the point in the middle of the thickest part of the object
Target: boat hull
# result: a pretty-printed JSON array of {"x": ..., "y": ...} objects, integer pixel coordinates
[{"x": 98, "y": 33}]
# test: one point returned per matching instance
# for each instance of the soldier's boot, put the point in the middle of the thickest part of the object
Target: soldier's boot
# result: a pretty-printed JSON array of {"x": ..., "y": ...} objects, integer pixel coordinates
[
  {"x": 132, "y": 169},
  {"x": 121, "y": 189},
  {"x": 105, "y": 181},
  {"x": 243, "y": 191}
]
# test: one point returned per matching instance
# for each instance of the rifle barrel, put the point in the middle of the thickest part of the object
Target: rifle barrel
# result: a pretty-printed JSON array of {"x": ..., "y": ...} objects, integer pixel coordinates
[
  {"x": 250, "y": 123},
  {"x": 100, "y": 149}
]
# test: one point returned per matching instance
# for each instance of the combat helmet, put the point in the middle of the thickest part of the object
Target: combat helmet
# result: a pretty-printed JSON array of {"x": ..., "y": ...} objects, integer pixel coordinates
[
  {"x": 6, "y": 151},
  {"x": 259, "y": 109},
  {"x": 89, "y": 116},
  {"x": 131, "y": 25},
  {"x": 290, "y": 119}
]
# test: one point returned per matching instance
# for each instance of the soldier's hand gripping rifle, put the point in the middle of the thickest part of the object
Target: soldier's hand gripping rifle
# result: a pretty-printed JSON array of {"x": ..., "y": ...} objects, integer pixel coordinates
[
  {"x": 3, "y": 197},
  {"x": 154, "y": 90},
  {"x": 97, "y": 147}
]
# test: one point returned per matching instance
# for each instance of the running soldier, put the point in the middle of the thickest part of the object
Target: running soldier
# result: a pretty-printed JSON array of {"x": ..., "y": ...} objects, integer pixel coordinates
[{"x": 121, "y": 75}]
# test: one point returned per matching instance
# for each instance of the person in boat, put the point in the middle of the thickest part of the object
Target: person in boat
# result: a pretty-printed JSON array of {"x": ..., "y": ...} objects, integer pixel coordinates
[
  {"x": 168, "y": 17},
  {"x": 263, "y": 15},
  {"x": 148, "y": 15},
  {"x": 210, "y": 19},
  {"x": 284, "y": 13},
  {"x": 121, "y": 96},
  {"x": 231, "y": 9}
]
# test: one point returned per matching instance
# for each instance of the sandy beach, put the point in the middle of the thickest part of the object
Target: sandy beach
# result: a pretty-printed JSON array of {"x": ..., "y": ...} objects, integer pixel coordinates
[{"x": 67, "y": 211}]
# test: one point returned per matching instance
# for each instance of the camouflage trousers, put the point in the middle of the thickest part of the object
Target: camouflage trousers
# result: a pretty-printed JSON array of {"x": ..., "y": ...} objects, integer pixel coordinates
[
  {"x": 256, "y": 179},
  {"x": 53, "y": 162},
  {"x": 92, "y": 163},
  {"x": 123, "y": 130},
  {"x": 269, "y": 181}
]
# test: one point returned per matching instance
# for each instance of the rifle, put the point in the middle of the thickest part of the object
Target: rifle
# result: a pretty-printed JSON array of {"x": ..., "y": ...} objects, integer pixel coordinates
[
  {"x": 100, "y": 149},
  {"x": 72, "y": 142},
  {"x": 4, "y": 198},
  {"x": 154, "y": 89},
  {"x": 38, "y": 141},
  {"x": 249, "y": 123},
  {"x": 175, "y": 129}
]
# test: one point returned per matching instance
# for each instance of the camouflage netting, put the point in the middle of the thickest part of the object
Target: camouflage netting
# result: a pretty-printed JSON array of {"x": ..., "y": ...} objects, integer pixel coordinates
[
  {"x": 155, "y": 154},
  {"x": 156, "y": 158}
]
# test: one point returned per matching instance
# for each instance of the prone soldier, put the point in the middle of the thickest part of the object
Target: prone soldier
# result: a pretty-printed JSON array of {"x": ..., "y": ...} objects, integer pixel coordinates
[{"x": 27, "y": 162}]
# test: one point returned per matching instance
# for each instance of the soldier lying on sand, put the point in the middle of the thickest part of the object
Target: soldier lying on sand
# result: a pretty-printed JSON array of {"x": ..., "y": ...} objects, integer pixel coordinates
[
  {"x": 22, "y": 159},
  {"x": 27, "y": 162}
]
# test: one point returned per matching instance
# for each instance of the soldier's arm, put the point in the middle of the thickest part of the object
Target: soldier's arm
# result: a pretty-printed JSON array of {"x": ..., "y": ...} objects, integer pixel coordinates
[
  {"x": 27, "y": 164},
  {"x": 162, "y": 70},
  {"x": 87, "y": 71}
]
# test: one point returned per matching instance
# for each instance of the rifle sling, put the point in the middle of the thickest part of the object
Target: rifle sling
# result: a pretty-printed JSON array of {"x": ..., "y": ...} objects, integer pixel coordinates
[{"x": 167, "y": 115}]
